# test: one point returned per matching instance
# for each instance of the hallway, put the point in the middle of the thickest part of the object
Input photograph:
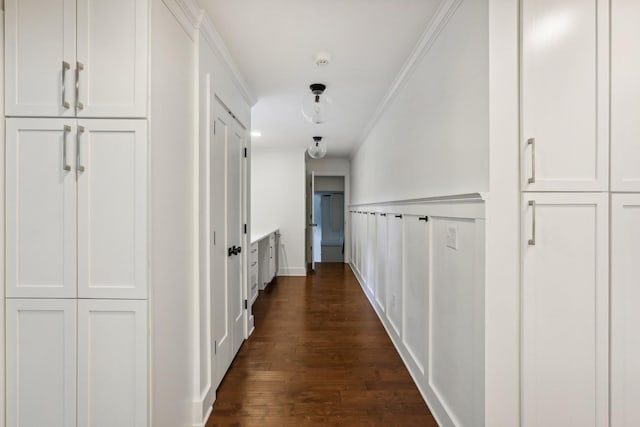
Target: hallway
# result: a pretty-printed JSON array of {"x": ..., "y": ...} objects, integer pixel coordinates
[{"x": 318, "y": 356}]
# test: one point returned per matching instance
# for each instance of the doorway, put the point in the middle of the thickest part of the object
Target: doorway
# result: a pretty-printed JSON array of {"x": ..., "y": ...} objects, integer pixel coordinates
[{"x": 328, "y": 206}]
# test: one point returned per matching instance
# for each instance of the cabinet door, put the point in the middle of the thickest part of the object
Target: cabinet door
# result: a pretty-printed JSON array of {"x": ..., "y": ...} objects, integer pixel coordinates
[
  {"x": 40, "y": 38},
  {"x": 565, "y": 95},
  {"x": 381, "y": 262},
  {"x": 625, "y": 95},
  {"x": 394, "y": 275},
  {"x": 565, "y": 310},
  {"x": 112, "y": 209},
  {"x": 625, "y": 317},
  {"x": 113, "y": 64},
  {"x": 112, "y": 363},
  {"x": 41, "y": 363},
  {"x": 41, "y": 208}
]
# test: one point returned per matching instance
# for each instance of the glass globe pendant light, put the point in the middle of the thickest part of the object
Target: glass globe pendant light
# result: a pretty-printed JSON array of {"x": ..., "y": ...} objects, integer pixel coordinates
[
  {"x": 314, "y": 105},
  {"x": 317, "y": 149}
]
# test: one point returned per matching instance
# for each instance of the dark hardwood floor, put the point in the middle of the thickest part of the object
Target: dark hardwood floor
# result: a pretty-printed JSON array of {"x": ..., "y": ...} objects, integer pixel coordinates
[{"x": 318, "y": 356}]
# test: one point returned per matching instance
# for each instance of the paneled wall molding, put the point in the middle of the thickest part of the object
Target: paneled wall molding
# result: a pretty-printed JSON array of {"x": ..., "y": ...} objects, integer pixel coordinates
[
  {"x": 422, "y": 268},
  {"x": 455, "y": 206},
  {"x": 213, "y": 38},
  {"x": 429, "y": 36}
]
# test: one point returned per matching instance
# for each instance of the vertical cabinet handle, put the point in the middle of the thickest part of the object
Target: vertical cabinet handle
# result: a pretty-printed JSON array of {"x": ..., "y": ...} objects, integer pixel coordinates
[
  {"x": 65, "y": 67},
  {"x": 79, "y": 166},
  {"x": 532, "y": 143},
  {"x": 79, "y": 67},
  {"x": 532, "y": 240},
  {"x": 65, "y": 165}
]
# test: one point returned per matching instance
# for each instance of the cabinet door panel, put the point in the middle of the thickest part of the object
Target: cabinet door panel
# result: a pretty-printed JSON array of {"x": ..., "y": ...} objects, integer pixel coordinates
[
  {"x": 112, "y": 363},
  {"x": 41, "y": 209},
  {"x": 565, "y": 95},
  {"x": 41, "y": 363},
  {"x": 565, "y": 310},
  {"x": 381, "y": 260},
  {"x": 625, "y": 95},
  {"x": 113, "y": 82},
  {"x": 625, "y": 317},
  {"x": 39, "y": 37},
  {"x": 112, "y": 209}
]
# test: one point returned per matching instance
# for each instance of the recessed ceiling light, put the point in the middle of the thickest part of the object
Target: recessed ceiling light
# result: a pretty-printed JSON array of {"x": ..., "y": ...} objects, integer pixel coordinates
[{"x": 256, "y": 133}]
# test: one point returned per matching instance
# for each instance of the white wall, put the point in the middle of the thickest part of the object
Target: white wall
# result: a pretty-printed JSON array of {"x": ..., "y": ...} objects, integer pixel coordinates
[
  {"x": 278, "y": 201},
  {"x": 172, "y": 256},
  {"x": 433, "y": 138},
  {"x": 329, "y": 183}
]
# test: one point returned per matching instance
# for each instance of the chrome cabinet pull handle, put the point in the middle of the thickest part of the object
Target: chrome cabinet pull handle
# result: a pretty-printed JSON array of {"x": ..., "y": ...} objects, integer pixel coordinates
[
  {"x": 532, "y": 240},
  {"x": 65, "y": 165},
  {"x": 79, "y": 67},
  {"x": 532, "y": 143},
  {"x": 65, "y": 67},
  {"x": 79, "y": 166}
]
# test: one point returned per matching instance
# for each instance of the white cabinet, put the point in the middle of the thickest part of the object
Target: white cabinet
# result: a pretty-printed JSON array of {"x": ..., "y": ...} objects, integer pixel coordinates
[
  {"x": 76, "y": 208},
  {"x": 381, "y": 261},
  {"x": 64, "y": 58},
  {"x": 253, "y": 272},
  {"x": 272, "y": 256},
  {"x": 565, "y": 81},
  {"x": 625, "y": 316},
  {"x": 41, "y": 362},
  {"x": 112, "y": 363},
  {"x": 625, "y": 95},
  {"x": 565, "y": 310}
]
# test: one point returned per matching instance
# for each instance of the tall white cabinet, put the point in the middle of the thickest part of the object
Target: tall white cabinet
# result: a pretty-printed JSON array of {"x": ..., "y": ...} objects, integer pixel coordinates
[
  {"x": 580, "y": 223},
  {"x": 76, "y": 213}
]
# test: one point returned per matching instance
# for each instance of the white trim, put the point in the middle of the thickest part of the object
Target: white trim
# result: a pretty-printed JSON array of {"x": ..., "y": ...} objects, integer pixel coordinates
[
  {"x": 427, "y": 39},
  {"x": 213, "y": 38},
  {"x": 291, "y": 271},
  {"x": 186, "y": 13}
]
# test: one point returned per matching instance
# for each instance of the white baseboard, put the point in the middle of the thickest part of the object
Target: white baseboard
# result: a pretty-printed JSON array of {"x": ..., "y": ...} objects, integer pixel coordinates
[{"x": 292, "y": 271}]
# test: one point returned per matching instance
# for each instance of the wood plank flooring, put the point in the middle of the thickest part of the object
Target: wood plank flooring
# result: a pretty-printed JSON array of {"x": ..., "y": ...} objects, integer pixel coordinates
[{"x": 318, "y": 356}]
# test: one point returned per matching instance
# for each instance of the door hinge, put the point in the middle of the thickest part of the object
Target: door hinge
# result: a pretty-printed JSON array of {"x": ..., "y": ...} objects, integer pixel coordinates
[
  {"x": 245, "y": 152},
  {"x": 214, "y": 237},
  {"x": 246, "y": 304},
  {"x": 245, "y": 229},
  {"x": 215, "y": 347},
  {"x": 214, "y": 127}
]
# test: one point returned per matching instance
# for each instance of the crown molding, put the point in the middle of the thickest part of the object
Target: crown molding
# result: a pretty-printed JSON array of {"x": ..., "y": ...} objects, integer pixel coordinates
[
  {"x": 213, "y": 38},
  {"x": 442, "y": 16},
  {"x": 187, "y": 13}
]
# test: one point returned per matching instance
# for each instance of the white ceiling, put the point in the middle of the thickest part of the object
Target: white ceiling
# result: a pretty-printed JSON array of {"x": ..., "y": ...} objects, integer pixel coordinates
[{"x": 274, "y": 43}]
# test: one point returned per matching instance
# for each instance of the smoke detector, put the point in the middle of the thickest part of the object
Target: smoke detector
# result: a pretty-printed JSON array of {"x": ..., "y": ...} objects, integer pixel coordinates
[{"x": 322, "y": 59}]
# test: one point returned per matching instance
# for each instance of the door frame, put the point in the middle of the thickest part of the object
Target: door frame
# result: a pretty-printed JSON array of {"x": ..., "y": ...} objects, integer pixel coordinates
[{"x": 347, "y": 202}]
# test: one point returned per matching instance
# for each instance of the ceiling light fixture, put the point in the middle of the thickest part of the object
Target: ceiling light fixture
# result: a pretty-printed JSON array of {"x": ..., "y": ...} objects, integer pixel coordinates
[
  {"x": 317, "y": 149},
  {"x": 314, "y": 106},
  {"x": 256, "y": 133}
]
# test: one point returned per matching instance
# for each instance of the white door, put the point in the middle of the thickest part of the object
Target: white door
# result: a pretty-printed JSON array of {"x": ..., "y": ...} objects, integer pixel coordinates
[
  {"x": 41, "y": 208},
  {"x": 112, "y": 58},
  {"x": 565, "y": 301},
  {"x": 112, "y": 363},
  {"x": 41, "y": 362},
  {"x": 416, "y": 288},
  {"x": 311, "y": 217},
  {"x": 625, "y": 95},
  {"x": 625, "y": 316},
  {"x": 220, "y": 294},
  {"x": 40, "y": 51},
  {"x": 112, "y": 209},
  {"x": 235, "y": 147},
  {"x": 565, "y": 95}
]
